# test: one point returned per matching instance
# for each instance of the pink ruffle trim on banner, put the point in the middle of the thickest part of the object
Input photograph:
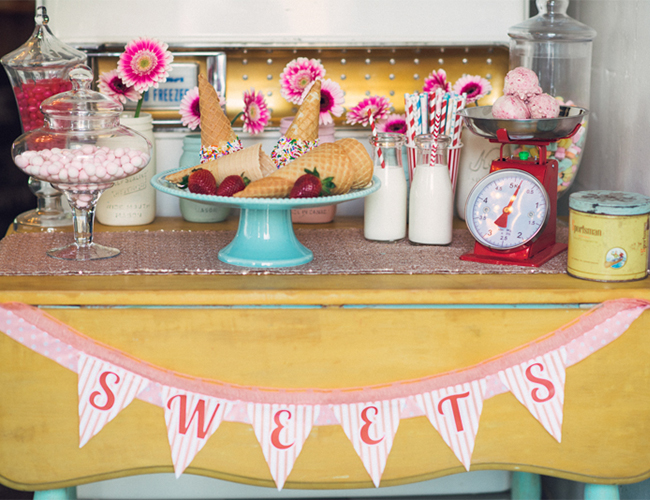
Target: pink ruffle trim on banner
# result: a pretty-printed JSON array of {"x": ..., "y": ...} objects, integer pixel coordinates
[{"x": 46, "y": 335}]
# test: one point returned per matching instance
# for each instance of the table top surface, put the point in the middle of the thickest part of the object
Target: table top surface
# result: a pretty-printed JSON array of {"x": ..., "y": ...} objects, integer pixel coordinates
[{"x": 302, "y": 289}]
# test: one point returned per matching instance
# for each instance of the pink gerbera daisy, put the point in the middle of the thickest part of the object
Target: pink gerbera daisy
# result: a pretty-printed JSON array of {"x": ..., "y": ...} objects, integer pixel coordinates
[
  {"x": 190, "y": 110},
  {"x": 393, "y": 124},
  {"x": 437, "y": 80},
  {"x": 376, "y": 106},
  {"x": 331, "y": 102},
  {"x": 144, "y": 63},
  {"x": 474, "y": 86},
  {"x": 256, "y": 113},
  {"x": 111, "y": 84},
  {"x": 297, "y": 75}
]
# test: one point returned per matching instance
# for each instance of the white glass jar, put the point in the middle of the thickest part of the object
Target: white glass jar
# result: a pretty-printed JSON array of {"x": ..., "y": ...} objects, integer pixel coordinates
[
  {"x": 384, "y": 216},
  {"x": 132, "y": 201}
]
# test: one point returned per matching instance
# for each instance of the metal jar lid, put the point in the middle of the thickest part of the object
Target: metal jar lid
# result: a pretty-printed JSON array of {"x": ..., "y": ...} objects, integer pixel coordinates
[{"x": 609, "y": 203}]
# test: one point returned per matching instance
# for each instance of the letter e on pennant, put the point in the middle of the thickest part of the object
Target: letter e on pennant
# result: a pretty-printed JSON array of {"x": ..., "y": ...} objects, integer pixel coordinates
[
  {"x": 281, "y": 431},
  {"x": 371, "y": 428}
]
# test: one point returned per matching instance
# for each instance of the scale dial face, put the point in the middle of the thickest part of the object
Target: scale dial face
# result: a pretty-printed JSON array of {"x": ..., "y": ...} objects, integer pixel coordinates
[{"x": 507, "y": 209}]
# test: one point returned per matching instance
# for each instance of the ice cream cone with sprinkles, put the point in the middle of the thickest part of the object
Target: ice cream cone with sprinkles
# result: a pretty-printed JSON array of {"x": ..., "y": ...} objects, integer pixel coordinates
[
  {"x": 302, "y": 134},
  {"x": 217, "y": 136}
]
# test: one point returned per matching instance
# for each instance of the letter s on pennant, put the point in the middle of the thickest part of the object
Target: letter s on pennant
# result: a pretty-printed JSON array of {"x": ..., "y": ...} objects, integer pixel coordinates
[
  {"x": 110, "y": 397},
  {"x": 546, "y": 383},
  {"x": 275, "y": 435}
]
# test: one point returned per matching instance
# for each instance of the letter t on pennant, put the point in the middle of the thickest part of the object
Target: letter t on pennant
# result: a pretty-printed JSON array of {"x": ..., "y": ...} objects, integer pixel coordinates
[{"x": 455, "y": 413}]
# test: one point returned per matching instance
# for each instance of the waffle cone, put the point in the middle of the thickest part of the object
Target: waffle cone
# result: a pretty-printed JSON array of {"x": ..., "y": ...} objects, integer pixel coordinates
[
  {"x": 329, "y": 159},
  {"x": 215, "y": 126},
  {"x": 305, "y": 123},
  {"x": 360, "y": 161},
  {"x": 268, "y": 187},
  {"x": 251, "y": 161}
]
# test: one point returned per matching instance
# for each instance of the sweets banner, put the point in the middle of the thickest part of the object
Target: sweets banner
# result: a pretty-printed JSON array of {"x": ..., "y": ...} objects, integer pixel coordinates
[{"x": 109, "y": 380}]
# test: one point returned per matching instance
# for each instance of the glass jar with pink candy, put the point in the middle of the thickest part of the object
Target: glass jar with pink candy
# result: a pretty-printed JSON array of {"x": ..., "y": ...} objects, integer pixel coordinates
[
  {"x": 81, "y": 149},
  {"x": 37, "y": 70}
]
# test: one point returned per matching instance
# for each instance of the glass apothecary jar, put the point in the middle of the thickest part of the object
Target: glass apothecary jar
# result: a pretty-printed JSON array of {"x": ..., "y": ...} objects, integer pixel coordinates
[
  {"x": 38, "y": 69},
  {"x": 558, "y": 49},
  {"x": 81, "y": 149}
]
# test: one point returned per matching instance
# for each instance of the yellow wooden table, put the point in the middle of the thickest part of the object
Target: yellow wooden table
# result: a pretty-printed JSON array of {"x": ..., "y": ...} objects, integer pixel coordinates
[{"x": 322, "y": 332}]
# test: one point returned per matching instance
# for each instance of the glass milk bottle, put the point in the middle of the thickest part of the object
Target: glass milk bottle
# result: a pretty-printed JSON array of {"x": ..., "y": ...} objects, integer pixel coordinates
[
  {"x": 431, "y": 203},
  {"x": 132, "y": 201},
  {"x": 385, "y": 210}
]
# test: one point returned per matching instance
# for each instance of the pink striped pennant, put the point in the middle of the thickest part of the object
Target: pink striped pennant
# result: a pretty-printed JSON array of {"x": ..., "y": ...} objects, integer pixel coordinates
[
  {"x": 191, "y": 419},
  {"x": 371, "y": 428},
  {"x": 281, "y": 430},
  {"x": 538, "y": 384},
  {"x": 104, "y": 391},
  {"x": 455, "y": 413}
]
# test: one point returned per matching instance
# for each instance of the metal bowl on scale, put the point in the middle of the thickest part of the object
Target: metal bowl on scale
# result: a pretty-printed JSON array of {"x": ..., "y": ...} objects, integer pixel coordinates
[{"x": 566, "y": 135}]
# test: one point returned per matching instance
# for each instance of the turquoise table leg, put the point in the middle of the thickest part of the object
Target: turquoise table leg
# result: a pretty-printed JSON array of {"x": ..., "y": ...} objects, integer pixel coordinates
[
  {"x": 265, "y": 238},
  {"x": 60, "y": 494},
  {"x": 601, "y": 492},
  {"x": 526, "y": 486}
]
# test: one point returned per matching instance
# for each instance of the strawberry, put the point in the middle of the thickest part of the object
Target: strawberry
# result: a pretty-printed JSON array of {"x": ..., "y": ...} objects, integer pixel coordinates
[
  {"x": 310, "y": 185},
  {"x": 201, "y": 181},
  {"x": 232, "y": 184}
]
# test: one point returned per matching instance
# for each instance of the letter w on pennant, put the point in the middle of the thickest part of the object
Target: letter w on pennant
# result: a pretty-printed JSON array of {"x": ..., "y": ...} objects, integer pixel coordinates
[{"x": 191, "y": 419}]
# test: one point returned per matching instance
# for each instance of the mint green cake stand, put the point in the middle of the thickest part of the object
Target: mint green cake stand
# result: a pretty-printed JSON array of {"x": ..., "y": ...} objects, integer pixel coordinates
[{"x": 265, "y": 236}]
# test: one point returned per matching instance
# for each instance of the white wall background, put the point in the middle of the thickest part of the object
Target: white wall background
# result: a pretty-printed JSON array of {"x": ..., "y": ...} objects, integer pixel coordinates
[{"x": 617, "y": 154}]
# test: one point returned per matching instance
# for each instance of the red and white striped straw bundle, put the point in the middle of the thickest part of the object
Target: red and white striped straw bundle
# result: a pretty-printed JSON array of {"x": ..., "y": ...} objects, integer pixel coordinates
[{"x": 380, "y": 155}]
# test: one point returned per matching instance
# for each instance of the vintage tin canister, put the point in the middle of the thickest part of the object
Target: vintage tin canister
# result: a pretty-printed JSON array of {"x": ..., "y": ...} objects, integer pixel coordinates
[{"x": 608, "y": 235}]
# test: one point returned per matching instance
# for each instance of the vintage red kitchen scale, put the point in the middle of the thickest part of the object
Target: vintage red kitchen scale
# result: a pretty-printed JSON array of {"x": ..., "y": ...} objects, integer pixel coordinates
[{"x": 511, "y": 212}]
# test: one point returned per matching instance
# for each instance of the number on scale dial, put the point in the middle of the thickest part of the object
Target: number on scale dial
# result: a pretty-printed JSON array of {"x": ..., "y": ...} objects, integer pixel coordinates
[{"x": 507, "y": 209}]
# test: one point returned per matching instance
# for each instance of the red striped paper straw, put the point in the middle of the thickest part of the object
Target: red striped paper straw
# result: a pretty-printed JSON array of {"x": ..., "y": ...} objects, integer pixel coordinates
[
  {"x": 380, "y": 155},
  {"x": 410, "y": 134},
  {"x": 436, "y": 130},
  {"x": 455, "y": 141}
]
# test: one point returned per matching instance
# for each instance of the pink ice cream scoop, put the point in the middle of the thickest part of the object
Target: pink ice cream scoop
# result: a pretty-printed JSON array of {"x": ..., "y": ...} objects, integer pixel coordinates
[
  {"x": 543, "y": 106},
  {"x": 510, "y": 107},
  {"x": 521, "y": 82}
]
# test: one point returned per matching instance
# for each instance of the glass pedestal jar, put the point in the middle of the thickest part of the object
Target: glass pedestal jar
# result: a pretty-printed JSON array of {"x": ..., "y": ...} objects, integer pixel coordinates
[{"x": 37, "y": 70}]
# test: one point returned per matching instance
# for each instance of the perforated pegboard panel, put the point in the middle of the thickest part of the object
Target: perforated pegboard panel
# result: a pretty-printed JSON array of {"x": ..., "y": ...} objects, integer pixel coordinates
[{"x": 388, "y": 72}]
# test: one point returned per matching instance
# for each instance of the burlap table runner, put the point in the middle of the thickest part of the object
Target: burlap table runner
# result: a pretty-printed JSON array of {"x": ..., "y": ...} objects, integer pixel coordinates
[{"x": 336, "y": 251}]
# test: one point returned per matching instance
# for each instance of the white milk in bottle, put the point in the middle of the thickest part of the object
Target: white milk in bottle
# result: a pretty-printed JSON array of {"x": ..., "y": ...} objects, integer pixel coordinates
[
  {"x": 385, "y": 209},
  {"x": 431, "y": 204}
]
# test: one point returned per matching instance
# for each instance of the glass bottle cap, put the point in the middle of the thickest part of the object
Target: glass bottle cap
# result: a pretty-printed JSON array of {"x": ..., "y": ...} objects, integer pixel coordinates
[
  {"x": 81, "y": 108},
  {"x": 42, "y": 49},
  {"x": 552, "y": 24}
]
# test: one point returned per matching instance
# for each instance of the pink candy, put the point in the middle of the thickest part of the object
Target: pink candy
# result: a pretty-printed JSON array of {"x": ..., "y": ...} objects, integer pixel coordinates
[{"x": 88, "y": 164}]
